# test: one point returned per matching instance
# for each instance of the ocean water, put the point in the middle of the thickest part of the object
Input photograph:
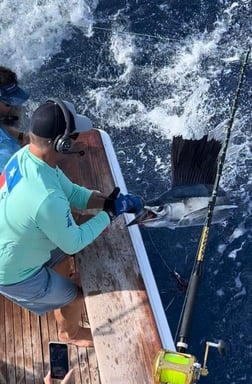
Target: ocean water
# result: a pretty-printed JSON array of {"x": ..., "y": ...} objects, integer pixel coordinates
[{"x": 145, "y": 70}]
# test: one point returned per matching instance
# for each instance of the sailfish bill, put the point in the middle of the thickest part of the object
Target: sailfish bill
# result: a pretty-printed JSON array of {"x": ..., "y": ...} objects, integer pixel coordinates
[{"x": 194, "y": 167}]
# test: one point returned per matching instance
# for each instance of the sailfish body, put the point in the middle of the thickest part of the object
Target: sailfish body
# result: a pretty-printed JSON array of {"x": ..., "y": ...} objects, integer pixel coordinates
[{"x": 194, "y": 167}]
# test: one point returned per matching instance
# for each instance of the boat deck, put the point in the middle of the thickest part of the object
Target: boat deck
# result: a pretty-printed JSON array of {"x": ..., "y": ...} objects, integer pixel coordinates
[
  {"x": 24, "y": 355},
  {"x": 119, "y": 313}
]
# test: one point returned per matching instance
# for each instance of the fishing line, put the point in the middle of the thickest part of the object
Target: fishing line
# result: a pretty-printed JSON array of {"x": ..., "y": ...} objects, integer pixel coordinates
[
  {"x": 157, "y": 37},
  {"x": 169, "y": 305},
  {"x": 183, "y": 283},
  {"x": 186, "y": 313}
]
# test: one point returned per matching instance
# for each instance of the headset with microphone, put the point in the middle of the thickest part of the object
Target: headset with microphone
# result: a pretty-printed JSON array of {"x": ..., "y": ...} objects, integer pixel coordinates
[{"x": 62, "y": 143}]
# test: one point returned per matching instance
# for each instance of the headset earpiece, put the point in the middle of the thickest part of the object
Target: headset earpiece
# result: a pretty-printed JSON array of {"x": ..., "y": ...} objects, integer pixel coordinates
[{"x": 62, "y": 143}]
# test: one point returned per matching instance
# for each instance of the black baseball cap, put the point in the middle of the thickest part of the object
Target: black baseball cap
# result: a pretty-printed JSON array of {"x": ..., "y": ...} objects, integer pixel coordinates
[{"x": 48, "y": 120}]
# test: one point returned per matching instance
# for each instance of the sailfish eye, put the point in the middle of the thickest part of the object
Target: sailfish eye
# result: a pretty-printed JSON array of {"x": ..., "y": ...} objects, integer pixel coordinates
[{"x": 160, "y": 208}]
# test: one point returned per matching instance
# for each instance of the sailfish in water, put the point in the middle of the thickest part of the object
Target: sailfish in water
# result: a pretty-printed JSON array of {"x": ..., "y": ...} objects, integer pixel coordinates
[{"x": 194, "y": 166}]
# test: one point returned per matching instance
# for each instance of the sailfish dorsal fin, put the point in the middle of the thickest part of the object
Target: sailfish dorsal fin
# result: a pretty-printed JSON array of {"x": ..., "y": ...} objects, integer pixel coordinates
[{"x": 194, "y": 161}]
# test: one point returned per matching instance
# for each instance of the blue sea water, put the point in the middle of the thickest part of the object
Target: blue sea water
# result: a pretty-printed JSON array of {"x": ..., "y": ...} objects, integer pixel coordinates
[{"x": 145, "y": 70}]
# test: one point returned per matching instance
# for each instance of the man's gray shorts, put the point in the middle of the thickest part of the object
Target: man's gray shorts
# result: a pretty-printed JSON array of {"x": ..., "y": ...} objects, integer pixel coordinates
[{"x": 45, "y": 291}]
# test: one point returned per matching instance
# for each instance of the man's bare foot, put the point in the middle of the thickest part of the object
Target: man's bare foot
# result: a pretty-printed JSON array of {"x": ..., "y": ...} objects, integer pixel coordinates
[{"x": 82, "y": 339}]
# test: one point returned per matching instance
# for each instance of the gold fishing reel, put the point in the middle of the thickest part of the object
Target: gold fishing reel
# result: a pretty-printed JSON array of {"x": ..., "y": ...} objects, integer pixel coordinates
[{"x": 171, "y": 367}]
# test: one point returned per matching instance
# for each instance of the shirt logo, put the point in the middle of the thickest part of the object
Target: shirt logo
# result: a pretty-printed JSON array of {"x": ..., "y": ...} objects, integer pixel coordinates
[
  {"x": 69, "y": 221},
  {"x": 2, "y": 179},
  {"x": 11, "y": 175}
]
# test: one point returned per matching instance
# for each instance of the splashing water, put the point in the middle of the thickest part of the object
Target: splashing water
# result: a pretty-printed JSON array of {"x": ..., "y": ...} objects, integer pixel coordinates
[{"x": 42, "y": 26}]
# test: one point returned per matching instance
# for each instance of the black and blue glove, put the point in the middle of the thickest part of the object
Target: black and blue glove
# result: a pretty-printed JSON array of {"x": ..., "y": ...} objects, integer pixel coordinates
[{"x": 117, "y": 203}]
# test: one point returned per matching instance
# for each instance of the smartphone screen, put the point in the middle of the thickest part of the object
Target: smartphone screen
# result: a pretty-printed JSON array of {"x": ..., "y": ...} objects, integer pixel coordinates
[{"x": 58, "y": 360}]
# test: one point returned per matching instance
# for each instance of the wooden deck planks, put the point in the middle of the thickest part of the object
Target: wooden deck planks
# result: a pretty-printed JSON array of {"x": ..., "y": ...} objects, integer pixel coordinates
[
  {"x": 19, "y": 344},
  {"x": 10, "y": 341},
  {"x": 24, "y": 357},
  {"x": 3, "y": 363}
]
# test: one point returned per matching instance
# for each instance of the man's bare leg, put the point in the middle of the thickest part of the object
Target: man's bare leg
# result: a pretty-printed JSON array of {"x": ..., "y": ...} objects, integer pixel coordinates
[{"x": 68, "y": 318}]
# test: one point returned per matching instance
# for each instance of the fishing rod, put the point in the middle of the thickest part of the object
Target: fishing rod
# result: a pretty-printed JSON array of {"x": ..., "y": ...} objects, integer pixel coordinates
[
  {"x": 194, "y": 280},
  {"x": 180, "y": 367}
]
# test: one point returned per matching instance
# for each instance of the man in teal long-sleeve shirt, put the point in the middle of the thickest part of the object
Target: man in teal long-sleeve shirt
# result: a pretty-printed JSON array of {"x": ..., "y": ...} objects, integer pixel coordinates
[{"x": 36, "y": 199}]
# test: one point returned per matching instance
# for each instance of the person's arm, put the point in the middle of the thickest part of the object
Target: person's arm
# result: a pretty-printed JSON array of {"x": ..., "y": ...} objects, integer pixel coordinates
[
  {"x": 55, "y": 220},
  {"x": 79, "y": 197},
  {"x": 96, "y": 200}
]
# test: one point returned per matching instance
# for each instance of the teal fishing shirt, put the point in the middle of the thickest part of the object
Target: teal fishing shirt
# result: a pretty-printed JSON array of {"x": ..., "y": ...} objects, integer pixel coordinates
[{"x": 35, "y": 216}]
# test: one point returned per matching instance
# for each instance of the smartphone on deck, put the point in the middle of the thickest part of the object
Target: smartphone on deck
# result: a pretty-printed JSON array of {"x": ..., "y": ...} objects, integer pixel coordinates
[{"x": 59, "y": 364}]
